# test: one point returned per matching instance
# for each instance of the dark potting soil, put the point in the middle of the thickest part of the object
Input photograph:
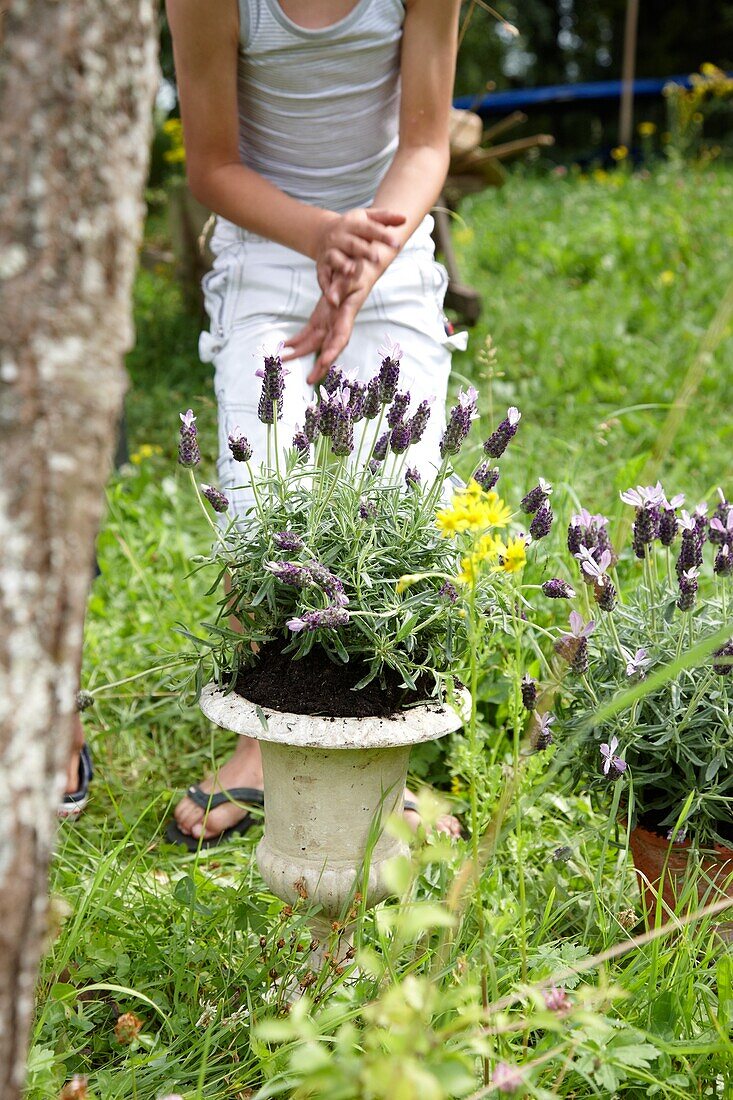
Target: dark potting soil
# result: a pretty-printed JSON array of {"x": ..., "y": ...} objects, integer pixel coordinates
[{"x": 316, "y": 685}]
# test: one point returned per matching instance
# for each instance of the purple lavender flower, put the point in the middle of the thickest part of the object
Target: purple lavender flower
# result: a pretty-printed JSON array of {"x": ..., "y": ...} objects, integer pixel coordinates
[
  {"x": 593, "y": 564},
  {"x": 312, "y": 419},
  {"x": 637, "y": 665},
  {"x": 536, "y": 497},
  {"x": 291, "y": 572},
  {"x": 419, "y": 421},
  {"x": 398, "y": 408},
  {"x": 613, "y": 766},
  {"x": 216, "y": 499},
  {"x": 374, "y": 466},
  {"x": 688, "y": 589},
  {"x": 541, "y": 521},
  {"x": 723, "y": 665},
  {"x": 543, "y": 732},
  {"x": 573, "y": 647},
  {"x": 648, "y": 501},
  {"x": 668, "y": 524},
  {"x": 529, "y": 692},
  {"x": 590, "y": 531},
  {"x": 367, "y": 509},
  {"x": 342, "y": 432},
  {"x": 507, "y": 1079},
  {"x": 459, "y": 423},
  {"x": 373, "y": 399},
  {"x": 380, "y": 447},
  {"x": 678, "y": 837},
  {"x": 189, "y": 454},
  {"x": 328, "y": 617},
  {"x": 486, "y": 476},
  {"x": 556, "y": 589},
  {"x": 389, "y": 372},
  {"x": 328, "y": 582},
  {"x": 499, "y": 440},
  {"x": 301, "y": 443},
  {"x": 604, "y": 593},
  {"x": 328, "y": 416},
  {"x": 690, "y": 555},
  {"x": 400, "y": 438},
  {"x": 448, "y": 591},
  {"x": 333, "y": 379},
  {"x": 273, "y": 387},
  {"x": 287, "y": 540},
  {"x": 239, "y": 446},
  {"x": 84, "y": 700},
  {"x": 356, "y": 400},
  {"x": 723, "y": 564},
  {"x": 700, "y": 516},
  {"x": 722, "y": 514},
  {"x": 412, "y": 477}
]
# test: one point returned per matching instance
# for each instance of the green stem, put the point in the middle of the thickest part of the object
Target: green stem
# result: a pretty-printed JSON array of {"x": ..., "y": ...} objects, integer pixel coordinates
[
  {"x": 255, "y": 494},
  {"x": 277, "y": 449},
  {"x": 519, "y": 819},
  {"x": 214, "y": 526},
  {"x": 369, "y": 457},
  {"x": 137, "y": 676}
]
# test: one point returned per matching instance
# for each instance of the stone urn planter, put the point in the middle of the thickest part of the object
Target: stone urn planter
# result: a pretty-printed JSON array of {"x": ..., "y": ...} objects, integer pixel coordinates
[
  {"x": 326, "y": 781},
  {"x": 651, "y": 851}
]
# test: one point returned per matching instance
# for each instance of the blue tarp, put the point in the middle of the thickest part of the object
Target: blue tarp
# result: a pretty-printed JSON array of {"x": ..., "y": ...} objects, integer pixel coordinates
[{"x": 499, "y": 103}]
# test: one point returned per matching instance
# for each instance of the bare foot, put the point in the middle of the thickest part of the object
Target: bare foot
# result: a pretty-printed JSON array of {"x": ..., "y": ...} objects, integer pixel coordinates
[{"x": 242, "y": 769}]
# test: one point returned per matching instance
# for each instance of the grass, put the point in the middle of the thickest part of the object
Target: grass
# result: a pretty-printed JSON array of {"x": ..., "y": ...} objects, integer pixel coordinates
[{"x": 598, "y": 294}]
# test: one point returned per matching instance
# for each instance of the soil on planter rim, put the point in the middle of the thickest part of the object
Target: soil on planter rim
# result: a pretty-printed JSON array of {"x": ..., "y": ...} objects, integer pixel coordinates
[{"x": 316, "y": 685}]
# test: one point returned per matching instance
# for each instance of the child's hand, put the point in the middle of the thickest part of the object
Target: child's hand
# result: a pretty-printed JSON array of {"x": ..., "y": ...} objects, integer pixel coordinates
[{"x": 347, "y": 243}]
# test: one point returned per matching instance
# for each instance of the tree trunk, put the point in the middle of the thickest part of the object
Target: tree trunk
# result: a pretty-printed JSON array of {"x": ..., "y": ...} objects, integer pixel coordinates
[{"x": 76, "y": 86}]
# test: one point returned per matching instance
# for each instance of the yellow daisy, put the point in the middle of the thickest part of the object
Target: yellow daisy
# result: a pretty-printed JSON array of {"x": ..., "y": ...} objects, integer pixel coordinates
[{"x": 512, "y": 555}]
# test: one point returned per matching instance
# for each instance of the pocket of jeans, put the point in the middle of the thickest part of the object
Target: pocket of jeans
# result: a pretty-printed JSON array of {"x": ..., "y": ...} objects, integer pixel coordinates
[{"x": 218, "y": 294}]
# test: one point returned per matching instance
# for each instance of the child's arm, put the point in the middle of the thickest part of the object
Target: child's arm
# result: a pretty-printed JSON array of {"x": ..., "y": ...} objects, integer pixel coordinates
[
  {"x": 416, "y": 175},
  {"x": 205, "y": 40}
]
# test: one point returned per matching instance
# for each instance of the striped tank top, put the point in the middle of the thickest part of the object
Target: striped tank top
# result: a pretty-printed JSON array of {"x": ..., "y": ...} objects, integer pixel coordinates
[{"x": 319, "y": 109}]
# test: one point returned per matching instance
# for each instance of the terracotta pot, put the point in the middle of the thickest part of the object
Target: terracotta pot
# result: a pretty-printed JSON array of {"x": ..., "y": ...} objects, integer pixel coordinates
[
  {"x": 651, "y": 852},
  {"x": 326, "y": 781}
]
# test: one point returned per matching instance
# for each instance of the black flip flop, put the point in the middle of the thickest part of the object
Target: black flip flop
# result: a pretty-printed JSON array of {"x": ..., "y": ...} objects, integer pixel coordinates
[
  {"x": 209, "y": 802},
  {"x": 71, "y": 805}
]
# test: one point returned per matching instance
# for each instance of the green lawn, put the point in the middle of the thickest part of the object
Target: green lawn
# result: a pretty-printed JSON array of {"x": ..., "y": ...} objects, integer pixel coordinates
[{"x": 598, "y": 295}]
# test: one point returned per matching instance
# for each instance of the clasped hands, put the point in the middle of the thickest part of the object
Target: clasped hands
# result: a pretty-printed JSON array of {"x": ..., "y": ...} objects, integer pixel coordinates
[{"x": 351, "y": 253}]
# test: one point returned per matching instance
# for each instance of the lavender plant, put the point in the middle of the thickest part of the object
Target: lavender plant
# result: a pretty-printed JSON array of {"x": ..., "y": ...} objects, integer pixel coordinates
[
  {"x": 673, "y": 746},
  {"x": 349, "y": 546}
]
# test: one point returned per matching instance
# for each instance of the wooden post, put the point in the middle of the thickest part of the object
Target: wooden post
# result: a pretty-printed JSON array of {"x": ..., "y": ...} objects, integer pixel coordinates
[{"x": 626, "y": 112}]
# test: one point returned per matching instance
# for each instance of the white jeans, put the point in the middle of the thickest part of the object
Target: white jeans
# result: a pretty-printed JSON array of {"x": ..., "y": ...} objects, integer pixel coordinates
[{"x": 259, "y": 293}]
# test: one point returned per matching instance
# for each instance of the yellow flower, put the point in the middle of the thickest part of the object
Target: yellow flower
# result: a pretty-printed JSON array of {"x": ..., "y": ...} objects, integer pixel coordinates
[
  {"x": 175, "y": 156},
  {"x": 620, "y": 153},
  {"x": 172, "y": 126},
  {"x": 455, "y": 785},
  {"x": 486, "y": 547},
  {"x": 450, "y": 522},
  {"x": 496, "y": 510},
  {"x": 708, "y": 69},
  {"x": 600, "y": 175},
  {"x": 666, "y": 278},
  {"x": 406, "y": 580},
  {"x": 697, "y": 117},
  {"x": 146, "y": 450},
  {"x": 512, "y": 555},
  {"x": 646, "y": 129}
]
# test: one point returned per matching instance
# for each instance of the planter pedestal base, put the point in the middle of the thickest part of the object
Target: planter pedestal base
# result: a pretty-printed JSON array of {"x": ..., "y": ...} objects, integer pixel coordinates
[{"x": 329, "y": 785}]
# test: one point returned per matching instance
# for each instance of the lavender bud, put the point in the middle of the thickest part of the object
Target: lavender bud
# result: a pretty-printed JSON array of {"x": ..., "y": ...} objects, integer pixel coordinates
[
  {"x": 397, "y": 409},
  {"x": 723, "y": 564},
  {"x": 373, "y": 399},
  {"x": 380, "y": 447},
  {"x": 328, "y": 581},
  {"x": 646, "y": 528},
  {"x": 688, "y": 590},
  {"x": 239, "y": 446},
  {"x": 604, "y": 594},
  {"x": 189, "y": 454},
  {"x": 723, "y": 666},
  {"x": 574, "y": 651},
  {"x": 400, "y": 438},
  {"x": 291, "y": 572},
  {"x": 412, "y": 477},
  {"x": 273, "y": 388},
  {"x": 690, "y": 555},
  {"x": 543, "y": 733},
  {"x": 535, "y": 497},
  {"x": 301, "y": 443},
  {"x": 356, "y": 401},
  {"x": 486, "y": 476},
  {"x": 367, "y": 509},
  {"x": 333, "y": 379},
  {"x": 329, "y": 617},
  {"x": 312, "y": 419},
  {"x": 668, "y": 527},
  {"x": 216, "y": 499},
  {"x": 342, "y": 435},
  {"x": 556, "y": 589},
  {"x": 287, "y": 540},
  {"x": 419, "y": 421},
  {"x": 499, "y": 440},
  {"x": 448, "y": 591},
  {"x": 576, "y": 539},
  {"x": 374, "y": 466},
  {"x": 329, "y": 414},
  {"x": 84, "y": 700},
  {"x": 529, "y": 692},
  {"x": 541, "y": 522},
  {"x": 389, "y": 376}
]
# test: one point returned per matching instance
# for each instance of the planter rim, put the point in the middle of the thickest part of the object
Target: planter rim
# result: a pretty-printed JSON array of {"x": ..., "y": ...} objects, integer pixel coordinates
[
  {"x": 425, "y": 722},
  {"x": 656, "y": 840}
]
